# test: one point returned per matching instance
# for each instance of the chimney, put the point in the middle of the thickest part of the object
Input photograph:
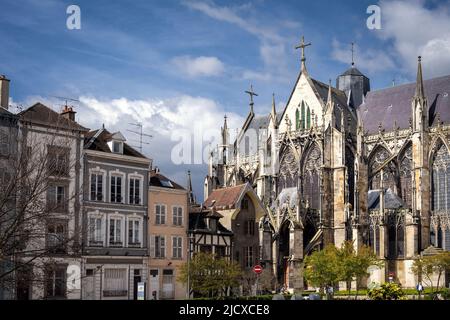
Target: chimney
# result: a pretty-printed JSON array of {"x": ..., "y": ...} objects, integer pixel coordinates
[
  {"x": 4, "y": 92},
  {"x": 68, "y": 113}
]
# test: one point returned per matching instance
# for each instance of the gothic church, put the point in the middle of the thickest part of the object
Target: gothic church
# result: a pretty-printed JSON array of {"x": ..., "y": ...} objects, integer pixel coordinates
[{"x": 345, "y": 163}]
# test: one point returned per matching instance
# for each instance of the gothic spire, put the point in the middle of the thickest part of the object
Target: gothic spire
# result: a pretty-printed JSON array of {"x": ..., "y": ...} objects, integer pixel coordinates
[
  {"x": 190, "y": 191},
  {"x": 225, "y": 131},
  {"x": 420, "y": 92},
  {"x": 274, "y": 111}
]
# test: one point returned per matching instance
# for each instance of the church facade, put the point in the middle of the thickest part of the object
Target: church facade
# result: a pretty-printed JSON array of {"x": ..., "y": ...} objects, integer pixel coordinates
[{"x": 345, "y": 163}]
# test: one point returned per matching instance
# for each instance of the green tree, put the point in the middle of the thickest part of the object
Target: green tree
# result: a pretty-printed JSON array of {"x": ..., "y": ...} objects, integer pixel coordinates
[
  {"x": 210, "y": 276},
  {"x": 353, "y": 264},
  {"x": 322, "y": 268},
  {"x": 427, "y": 266}
]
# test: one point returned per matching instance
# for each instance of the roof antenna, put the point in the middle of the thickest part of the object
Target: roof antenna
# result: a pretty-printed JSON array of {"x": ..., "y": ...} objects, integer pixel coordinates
[
  {"x": 140, "y": 134},
  {"x": 393, "y": 82}
]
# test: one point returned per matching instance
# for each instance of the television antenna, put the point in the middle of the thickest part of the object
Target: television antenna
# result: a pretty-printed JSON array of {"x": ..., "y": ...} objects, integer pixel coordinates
[
  {"x": 65, "y": 99},
  {"x": 141, "y": 135}
]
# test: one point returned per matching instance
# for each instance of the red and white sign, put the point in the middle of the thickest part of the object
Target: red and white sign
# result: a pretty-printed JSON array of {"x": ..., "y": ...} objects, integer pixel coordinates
[{"x": 257, "y": 269}]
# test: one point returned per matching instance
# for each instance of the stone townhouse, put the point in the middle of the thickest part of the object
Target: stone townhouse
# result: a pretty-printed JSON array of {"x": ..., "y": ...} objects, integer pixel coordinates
[
  {"x": 8, "y": 146},
  {"x": 115, "y": 251},
  {"x": 52, "y": 143},
  {"x": 168, "y": 222}
]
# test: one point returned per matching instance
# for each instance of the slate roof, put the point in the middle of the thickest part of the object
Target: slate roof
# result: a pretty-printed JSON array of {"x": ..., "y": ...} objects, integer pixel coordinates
[
  {"x": 98, "y": 140},
  {"x": 226, "y": 197},
  {"x": 43, "y": 115},
  {"x": 393, "y": 105},
  {"x": 159, "y": 180},
  {"x": 391, "y": 200},
  {"x": 353, "y": 71}
]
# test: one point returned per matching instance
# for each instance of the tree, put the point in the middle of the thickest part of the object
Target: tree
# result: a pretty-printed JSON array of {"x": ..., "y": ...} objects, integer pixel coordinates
[
  {"x": 36, "y": 223},
  {"x": 323, "y": 268},
  {"x": 425, "y": 267},
  {"x": 210, "y": 276},
  {"x": 354, "y": 264}
]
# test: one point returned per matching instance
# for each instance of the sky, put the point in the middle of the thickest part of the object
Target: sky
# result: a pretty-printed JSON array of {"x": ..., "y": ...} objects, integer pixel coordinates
[{"x": 178, "y": 66}]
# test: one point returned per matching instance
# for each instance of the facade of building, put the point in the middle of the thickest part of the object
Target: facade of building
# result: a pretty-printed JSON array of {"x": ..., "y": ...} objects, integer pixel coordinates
[
  {"x": 168, "y": 222},
  {"x": 51, "y": 145},
  {"x": 115, "y": 245},
  {"x": 8, "y": 151},
  {"x": 346, "y": 163},
  {"x": 241, "y": 212}
]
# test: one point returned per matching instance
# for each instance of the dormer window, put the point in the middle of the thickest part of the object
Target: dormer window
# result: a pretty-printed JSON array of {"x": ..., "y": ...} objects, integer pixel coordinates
[
  {"x": 117, "y": 147},
  {"x": 115, "y": 142}
]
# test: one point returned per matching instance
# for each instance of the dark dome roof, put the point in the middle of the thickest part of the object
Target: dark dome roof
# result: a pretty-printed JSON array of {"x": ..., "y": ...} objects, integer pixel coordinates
[{"x": 352, "y": 71}]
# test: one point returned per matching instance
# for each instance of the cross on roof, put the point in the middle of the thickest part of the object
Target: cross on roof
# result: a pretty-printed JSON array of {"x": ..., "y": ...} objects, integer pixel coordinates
[
  {"x": 302, "y": 46},
  {"x": 251, "y": 93}
]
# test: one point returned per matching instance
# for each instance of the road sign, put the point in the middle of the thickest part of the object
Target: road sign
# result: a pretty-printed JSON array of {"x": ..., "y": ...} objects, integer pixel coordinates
[{"x": 257, "y": 269}]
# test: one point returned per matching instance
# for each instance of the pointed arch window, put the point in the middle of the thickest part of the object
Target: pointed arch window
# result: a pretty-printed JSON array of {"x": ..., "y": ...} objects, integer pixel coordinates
[
  {"x": 303, "y": 116},
  {"x": 406, "y": 176},
  {"x": 308, "y": 119},
  {"x": 441, "y": 180},
  {"x": 297, "y": 119},
  {"x": 311, "y": 178}
]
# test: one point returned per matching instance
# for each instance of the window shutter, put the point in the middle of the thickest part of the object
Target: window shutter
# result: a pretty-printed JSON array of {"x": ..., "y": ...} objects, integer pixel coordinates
[
  {"x": 163, "y": 246},
  {"x": 152, "y": 246}
]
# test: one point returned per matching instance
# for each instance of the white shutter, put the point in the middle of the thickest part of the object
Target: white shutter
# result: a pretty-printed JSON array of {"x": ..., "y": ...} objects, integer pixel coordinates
[{"x": 152, "y": 246}]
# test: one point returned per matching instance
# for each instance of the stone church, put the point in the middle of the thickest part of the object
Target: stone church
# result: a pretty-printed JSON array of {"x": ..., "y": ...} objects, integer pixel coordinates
[{"x": 345, "y": 163}]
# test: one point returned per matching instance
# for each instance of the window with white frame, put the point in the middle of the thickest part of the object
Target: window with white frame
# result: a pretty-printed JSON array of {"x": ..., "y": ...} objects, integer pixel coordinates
[
  {"x": 158, "y": 246},
  {"x": 177, "y": 247},
  {"x": 177, "y": 215},
  {"x": 95, "y": 231},
  {"x": 160, "y": 214},
  {"x": 135, "y": 191},
  {"x": 116, "y": 188},
  {"x": 96, "y": 186},
  {"x": 115, "y": 283},
  {"x": 115, "y": 231},
  {"x": 134, "y": 226}
]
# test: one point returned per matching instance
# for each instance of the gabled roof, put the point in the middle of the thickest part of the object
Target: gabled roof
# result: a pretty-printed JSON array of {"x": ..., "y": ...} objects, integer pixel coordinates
[
  {"x": 43, "y": 115},
  {"x": 225, "y": 198},
  {"x": 159, "y": 180},
  {"x": 321, "y": 89},
  {"x": 97, "y": 140},
  {"x": 391, "y": 200},
  {"x": 392, "y": 106}
]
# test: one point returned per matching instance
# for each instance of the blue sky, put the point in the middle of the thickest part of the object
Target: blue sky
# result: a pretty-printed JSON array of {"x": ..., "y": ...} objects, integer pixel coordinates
[{"x": 170, "y": 64}]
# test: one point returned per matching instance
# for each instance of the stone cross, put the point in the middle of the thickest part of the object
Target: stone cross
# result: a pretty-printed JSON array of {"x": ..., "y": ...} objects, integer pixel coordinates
[
  {"x": 251, "y": 93},
  {"x": 302, "y": 46}
]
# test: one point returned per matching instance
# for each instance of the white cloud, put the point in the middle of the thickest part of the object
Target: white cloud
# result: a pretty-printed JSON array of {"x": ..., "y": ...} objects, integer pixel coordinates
[
  {"x": 272, "y": 37},
  {"x": 369, "y": 59},
  {"x": 200, "y": 66},
  {"x": 414, "y": 30}
]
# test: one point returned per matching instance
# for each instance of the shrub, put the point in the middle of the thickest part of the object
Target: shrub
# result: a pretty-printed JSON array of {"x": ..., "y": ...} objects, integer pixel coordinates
[{"x": 387, "y": 291}]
